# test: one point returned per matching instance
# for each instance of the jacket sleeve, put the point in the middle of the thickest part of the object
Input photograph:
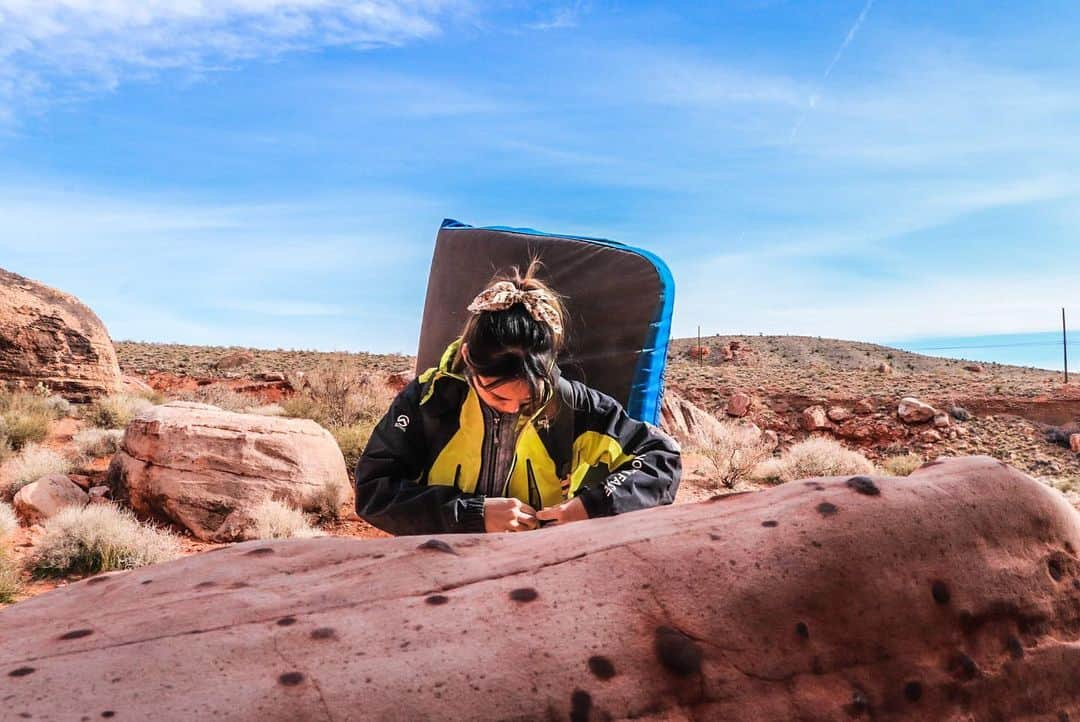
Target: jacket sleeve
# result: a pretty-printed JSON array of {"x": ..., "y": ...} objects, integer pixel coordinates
[
  {"x": 651, "y": 468},
  {"x": 389, "y": 492}
]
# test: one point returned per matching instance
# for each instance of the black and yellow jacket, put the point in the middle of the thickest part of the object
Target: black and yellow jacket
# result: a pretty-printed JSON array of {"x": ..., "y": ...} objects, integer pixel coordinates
[{"x": 419, "y": 472}]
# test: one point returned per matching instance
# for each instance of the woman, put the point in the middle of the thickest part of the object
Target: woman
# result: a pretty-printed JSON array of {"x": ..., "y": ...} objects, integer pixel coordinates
[{"x": 494, "y": 439}]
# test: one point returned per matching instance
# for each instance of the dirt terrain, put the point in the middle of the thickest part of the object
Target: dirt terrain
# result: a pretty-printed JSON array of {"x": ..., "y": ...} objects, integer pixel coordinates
[{"x": 1011, "y": 408}]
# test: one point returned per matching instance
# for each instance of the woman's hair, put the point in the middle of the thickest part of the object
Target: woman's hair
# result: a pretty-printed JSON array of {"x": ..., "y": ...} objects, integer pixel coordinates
[{"x": 510, "y": 344}]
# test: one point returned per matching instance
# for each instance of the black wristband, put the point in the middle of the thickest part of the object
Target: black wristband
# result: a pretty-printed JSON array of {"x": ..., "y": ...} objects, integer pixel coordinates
[{"x": 472, "y": 514}]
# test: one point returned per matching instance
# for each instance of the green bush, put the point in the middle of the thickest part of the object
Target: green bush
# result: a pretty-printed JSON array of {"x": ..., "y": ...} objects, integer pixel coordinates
[{"x": 99, "y": 538}]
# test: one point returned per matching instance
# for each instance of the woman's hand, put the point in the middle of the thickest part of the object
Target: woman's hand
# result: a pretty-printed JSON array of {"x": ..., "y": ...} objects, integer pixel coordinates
[
  {"x": 503, "y": 514},
  {"x": 568, "y": 511}
]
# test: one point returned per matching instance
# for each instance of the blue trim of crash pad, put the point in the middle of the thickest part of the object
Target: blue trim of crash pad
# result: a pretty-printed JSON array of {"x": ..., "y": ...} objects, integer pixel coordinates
[{"x": 647, "y": 390}]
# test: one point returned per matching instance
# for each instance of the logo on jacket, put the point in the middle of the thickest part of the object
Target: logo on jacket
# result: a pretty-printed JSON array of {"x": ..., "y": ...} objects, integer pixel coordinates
[{"x": 402, "y": 422}]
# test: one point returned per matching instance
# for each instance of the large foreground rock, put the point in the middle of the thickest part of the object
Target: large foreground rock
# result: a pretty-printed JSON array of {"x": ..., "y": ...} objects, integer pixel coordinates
[
  {"x": 207, "y": 469},
  {"x": 952, "y": 594},
  {"x": 50, "y": 337}
]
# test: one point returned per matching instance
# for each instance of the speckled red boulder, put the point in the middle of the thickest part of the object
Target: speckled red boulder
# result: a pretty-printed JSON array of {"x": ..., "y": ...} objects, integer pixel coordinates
[{"x": 952, "y": 594}]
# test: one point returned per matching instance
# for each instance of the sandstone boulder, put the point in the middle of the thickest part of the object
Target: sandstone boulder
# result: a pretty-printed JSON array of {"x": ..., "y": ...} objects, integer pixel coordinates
[
  {"x": 1074, "y": 442},
  {"x": 399, "y": 379},
  {"x": 206, "y": 468},
  {"x": 814, "y": 418},
  {"x": 912, "y": 411},
  {"x": 950, "y": 594},
  {"x": 864, "y": 407},
  {"x": 739, "y": 404},
  {"x": 50, "y": 337},
  {"x": 686, "y": 422},
  {"x": 941, "y": 420},
  {"x": 41, "y": 499},
  {"x": 839, "y": 414}
]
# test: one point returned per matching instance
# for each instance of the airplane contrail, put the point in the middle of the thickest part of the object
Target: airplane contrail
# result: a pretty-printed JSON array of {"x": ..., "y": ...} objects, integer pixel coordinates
[{"x": 813, "y": 100}]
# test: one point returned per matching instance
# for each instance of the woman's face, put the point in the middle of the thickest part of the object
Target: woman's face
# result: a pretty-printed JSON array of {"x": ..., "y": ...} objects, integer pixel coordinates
[{"x": 506, "y": 398}]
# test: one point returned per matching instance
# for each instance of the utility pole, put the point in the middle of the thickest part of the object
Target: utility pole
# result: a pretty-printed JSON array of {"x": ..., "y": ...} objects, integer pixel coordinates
[{"x": 1065, "y": 345}]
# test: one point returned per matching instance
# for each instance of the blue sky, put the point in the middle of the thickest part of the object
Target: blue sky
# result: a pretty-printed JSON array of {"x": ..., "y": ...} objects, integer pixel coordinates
[{"x": 272, "y": 172}]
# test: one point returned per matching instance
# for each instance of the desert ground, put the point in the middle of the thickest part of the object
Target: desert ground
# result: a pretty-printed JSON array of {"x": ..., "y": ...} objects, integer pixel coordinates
[{"x": 1017, "y": 415}]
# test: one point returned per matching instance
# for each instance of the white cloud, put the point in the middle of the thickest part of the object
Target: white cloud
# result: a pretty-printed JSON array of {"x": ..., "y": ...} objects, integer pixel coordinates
[
  {"x": 66, "y": 48},
  {"x": 566, "y": 16}
]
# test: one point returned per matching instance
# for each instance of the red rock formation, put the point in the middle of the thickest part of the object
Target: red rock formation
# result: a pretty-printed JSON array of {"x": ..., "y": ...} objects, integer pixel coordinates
[
  {"x": 952, "y": 594},
  {"x": 52, "y": 338},
  {"x": 206, "y": 469}
]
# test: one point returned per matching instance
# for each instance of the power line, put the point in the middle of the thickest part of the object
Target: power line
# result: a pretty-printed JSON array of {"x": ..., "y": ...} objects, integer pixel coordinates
[{"x": 1000, "y": 345}]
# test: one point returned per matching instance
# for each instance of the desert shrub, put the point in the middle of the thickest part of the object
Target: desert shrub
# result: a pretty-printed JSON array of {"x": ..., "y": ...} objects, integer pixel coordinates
[
  {"x": 327, "y": 501},
  {"x": 276, "y": 520},
  {"x": 92, "y": 443},
  {"x": 99, "y": 538},
  {"x": 220, "y": 396},
  {"x": 822, "y": 456},
  {"x": 26, "y": 418},
  {"x": 302, "y": 407},
  {"x": 10, "y": 577},
  {"x": 1059, "y": 436},
  {"x": 59, "y": 406},
  {"x": 352, "y": 440},
  {"x": 770, "y": 471},
  {"x": 959, "y": 413},
  {"x": 8, "y": 521},
  {"x": 902, "y": 465},
  {"x": 267, "y": 410},
  {"x": 116, "y": 412},
  {"x": 732, "y": 451},
  {"x": 5, "y": 445},
  {"x": 338, "y": 395},
  {"x": 32, "y": 463},
  {"x": 1065, "y": 486}
]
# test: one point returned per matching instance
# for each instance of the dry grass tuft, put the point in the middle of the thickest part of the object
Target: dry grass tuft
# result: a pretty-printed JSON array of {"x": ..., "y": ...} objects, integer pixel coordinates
[
  {"x": 8, "y": 521},
  {"x": 821, "y": 456},
  {"x": 327, "y": 502},
  {"x": 99, "y": 538},
  {"x": 10, "y": 577},
  {"x": 732, "y": 451},
  {"x": 30, "y": 464},
  {"x": 276, "y": 520},
  {"x": 902, "y": 465},
  {"x": 25, "y": 417},
  {"x": 116, "y": 412},
  {"x": 93, "y": 443}
]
